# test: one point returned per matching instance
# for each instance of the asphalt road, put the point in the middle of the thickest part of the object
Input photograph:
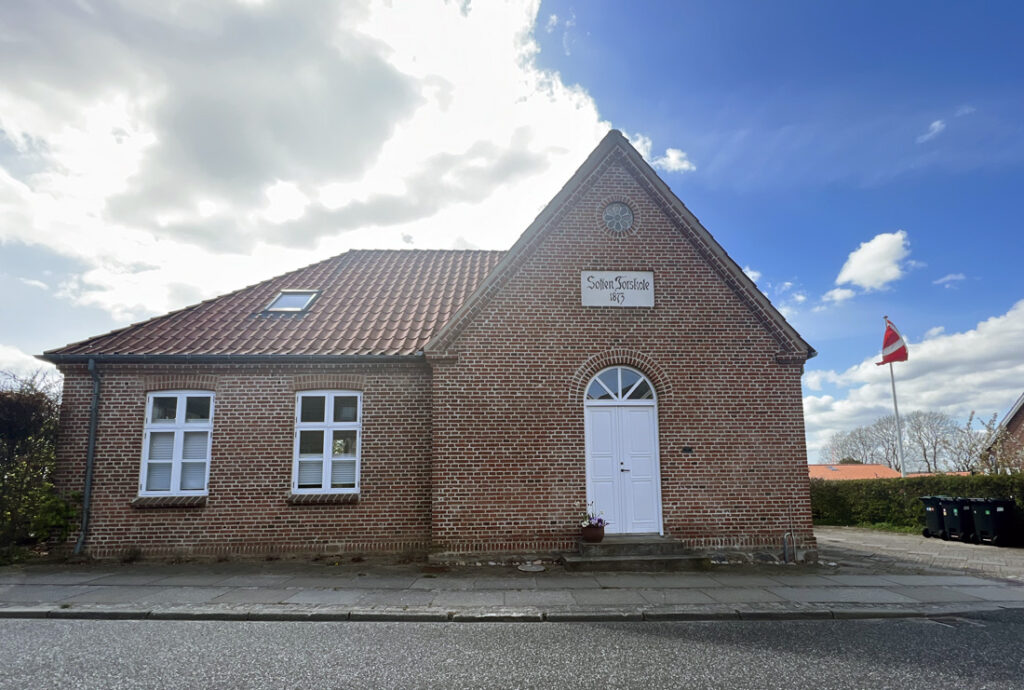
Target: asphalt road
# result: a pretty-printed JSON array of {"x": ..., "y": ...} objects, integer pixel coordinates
[{"x": 983, "y": 651}]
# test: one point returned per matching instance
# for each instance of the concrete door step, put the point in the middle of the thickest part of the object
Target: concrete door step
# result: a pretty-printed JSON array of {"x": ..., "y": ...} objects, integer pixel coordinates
[{"x": 637, "y": 562}]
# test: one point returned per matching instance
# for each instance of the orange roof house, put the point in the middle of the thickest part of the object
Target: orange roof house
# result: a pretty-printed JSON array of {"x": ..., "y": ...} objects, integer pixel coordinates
[
  {"x": 455, "y": 400},
  {"x": 840, "y": 472}
]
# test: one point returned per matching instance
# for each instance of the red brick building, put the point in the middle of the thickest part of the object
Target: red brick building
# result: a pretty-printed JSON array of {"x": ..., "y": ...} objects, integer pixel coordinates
[{"x": 456, "y": 400}]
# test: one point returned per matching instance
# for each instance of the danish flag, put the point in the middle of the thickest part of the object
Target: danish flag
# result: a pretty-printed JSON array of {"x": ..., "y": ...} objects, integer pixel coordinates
[{"x": 894, "y": 349}]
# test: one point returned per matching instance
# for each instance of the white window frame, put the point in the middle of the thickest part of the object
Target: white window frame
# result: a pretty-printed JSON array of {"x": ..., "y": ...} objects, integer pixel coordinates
[
  {"x": 328, "y": 426},
  {"x": 617, "y": 400},
  {"x": 178, "y": 427},
  {"x": 312, "y": 295}
]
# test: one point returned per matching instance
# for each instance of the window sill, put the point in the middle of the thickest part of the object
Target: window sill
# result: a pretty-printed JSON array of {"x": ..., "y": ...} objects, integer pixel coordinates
[
  {"x": 169, "y": 502},
  {"x": 315, "y": 499}
]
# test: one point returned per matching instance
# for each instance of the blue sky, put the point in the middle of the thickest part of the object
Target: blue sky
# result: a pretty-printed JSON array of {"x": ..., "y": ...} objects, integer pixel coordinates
[{"x": 859, "y": 159}]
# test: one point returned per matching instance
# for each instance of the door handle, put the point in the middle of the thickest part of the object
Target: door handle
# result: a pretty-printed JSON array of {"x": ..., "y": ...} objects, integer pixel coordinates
[{"x": 623, "y": 469}]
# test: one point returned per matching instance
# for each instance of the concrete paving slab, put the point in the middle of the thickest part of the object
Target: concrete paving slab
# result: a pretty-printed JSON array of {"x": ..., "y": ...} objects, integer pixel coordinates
[
  {"x": 691, "y": 613},
  {"x": 859, "y": 580},
  {"x": 254, "y": 595},
  {"x": 442, "y": 582},
  {"x": 622, "y": 580},
  {"x": 608, "y": 597},
  {"x": 256, "y": 580},
  {"x": 382, "y": 582},
  {"x": 507, "y": 583},
  {"x": 465, "y": 599},
  {"x": 61, "y": 577},
  {"x": 180, "y": 595},
  {"x": 936, "y": 580},
  {"x": 318, "y": 582},
  {"x": 129, "y": 578},
  {"x": 192, "y": 579},
  {"x": 326, "y": 596},
  {"x": 802, "y": 580},
  {"x": 681, "y": 580},
  {"x": 41, "y": 593},
  {"x": 110, "y": 594},
  {"x": 560, "y": 581},
  {"x": 678, "y": 595},
  {"x": 737, "y": 595},
  {"x": 874, "y": 595},
  {"x": 994, "y": 593},
  {"x": 726, "y": 580},
  {"x": 381, "y": 597},
  {"x": 525, "y": 597},
  {"x": 934, "y": 594}
]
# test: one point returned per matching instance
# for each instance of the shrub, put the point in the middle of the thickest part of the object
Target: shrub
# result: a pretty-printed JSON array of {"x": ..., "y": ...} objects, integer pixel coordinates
[
  {"x": 30, "y": 509},
  {"x": 897, "y": 501}
]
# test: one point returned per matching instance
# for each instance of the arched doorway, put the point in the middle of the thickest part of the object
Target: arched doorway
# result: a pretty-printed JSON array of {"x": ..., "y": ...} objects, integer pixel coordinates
[{"x": 623, "y": 472}]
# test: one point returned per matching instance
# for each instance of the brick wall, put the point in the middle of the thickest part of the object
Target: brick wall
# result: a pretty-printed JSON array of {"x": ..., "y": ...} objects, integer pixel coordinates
[
  {"x": 508, "y": 431},
  {"x": 247, "y": 510}
]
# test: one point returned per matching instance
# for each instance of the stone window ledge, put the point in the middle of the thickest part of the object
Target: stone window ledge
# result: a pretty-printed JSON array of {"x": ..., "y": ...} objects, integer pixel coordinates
[
  {"x": 169, "y": 502},
  {"x": 315, "y": 499}
]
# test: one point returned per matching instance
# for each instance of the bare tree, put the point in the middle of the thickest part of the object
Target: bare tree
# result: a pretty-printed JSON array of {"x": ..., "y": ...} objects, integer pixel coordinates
[{"x": 927, "y": 435}]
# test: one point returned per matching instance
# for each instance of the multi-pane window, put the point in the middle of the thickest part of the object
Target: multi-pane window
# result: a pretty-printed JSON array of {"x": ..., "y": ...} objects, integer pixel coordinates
[
  {"x": 328, "y": 428},
  {"x": 176, "y": 443}
]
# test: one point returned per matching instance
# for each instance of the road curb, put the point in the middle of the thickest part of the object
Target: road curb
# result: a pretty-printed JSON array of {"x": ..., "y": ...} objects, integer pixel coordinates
[{"x": 482, "y": 615}]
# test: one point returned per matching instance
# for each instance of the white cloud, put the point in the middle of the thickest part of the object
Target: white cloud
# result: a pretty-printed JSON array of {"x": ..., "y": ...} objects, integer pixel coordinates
[
  {"x": 965, "y": 110},
  {"x": 949, "y": 280},
  {"x": 17, "y": 362},
  {"x": 799, "y": 297},
  {"x": 642, "y": 143},
  {"x": 979, "y": 370},
  {"x": 674, "y": 160},
  {"x": 934, "y": 331},
  {"x": 934, "y": 129},
  {"x": 171, "y": 173},
  {"x": 752, "y": 274},
  {"x": 32, "y": 282},
  {"x": 875, "y": 263},
  {"x": 838, "y": 295},
  {"x": 552, "y": 23}
]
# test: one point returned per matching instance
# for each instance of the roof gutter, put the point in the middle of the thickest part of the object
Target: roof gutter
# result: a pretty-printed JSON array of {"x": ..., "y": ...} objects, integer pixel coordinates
[
  {"x": 226, "y": 359},
  {"x": 90, "y": 456}
]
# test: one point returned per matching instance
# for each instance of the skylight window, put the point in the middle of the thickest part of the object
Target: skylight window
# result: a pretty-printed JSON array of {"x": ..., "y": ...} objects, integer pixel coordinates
[{"x": 293, "y": 300}]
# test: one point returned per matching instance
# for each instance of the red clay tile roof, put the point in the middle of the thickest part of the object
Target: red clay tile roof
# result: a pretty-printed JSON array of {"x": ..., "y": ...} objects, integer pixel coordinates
[
  {"x": 376, "y": 302},
  {"x": 852, "y": 472}
]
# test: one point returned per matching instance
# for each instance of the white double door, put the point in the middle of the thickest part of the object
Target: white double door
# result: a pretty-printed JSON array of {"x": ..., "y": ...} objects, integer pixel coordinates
[{"x": 623, "y": 478}]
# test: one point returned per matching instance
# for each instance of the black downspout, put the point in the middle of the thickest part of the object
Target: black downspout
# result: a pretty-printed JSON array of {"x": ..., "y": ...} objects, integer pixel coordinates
[{"x": 90, "y": 454}]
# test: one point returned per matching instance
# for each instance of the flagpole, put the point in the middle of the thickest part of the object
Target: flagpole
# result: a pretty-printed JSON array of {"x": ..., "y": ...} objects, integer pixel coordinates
[{"x": 899, "y": 429}]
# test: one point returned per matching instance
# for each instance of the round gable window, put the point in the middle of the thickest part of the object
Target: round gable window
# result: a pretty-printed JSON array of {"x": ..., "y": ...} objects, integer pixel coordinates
[{"x": 618, "y": 217}]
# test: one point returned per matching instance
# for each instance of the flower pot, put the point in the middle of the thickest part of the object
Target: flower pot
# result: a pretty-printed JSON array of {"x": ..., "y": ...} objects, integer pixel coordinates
[{"x": 592, "y": 535}]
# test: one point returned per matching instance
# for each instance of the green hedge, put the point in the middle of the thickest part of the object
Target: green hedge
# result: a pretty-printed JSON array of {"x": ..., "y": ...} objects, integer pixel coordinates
[{"x": 897, "y": 501}]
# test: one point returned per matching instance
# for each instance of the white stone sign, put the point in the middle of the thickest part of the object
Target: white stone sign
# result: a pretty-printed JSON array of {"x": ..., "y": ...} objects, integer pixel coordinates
[{"x": 617, "y": 288}]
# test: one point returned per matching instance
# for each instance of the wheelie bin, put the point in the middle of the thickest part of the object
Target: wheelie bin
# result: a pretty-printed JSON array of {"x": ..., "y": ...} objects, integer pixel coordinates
[
  {"x": 957, "y": 518},
  {"x": 934, "y": 526},
  {"x": 993, "y": 520}
]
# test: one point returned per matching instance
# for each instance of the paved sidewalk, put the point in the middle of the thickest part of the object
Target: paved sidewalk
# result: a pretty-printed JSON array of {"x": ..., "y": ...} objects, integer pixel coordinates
[{"x": 295, "y": 590}]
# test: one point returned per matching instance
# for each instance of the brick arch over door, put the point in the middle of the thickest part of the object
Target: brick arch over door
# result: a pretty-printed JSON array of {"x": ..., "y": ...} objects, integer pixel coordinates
[{"x": 640, "y": 361}]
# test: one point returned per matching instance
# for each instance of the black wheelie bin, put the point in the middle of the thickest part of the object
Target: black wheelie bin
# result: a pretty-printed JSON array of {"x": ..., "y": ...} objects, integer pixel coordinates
[
  {"x": 993, "y": 520},
  {"x": 933, "y": 523},
  {"x": 958, "y": 519}
]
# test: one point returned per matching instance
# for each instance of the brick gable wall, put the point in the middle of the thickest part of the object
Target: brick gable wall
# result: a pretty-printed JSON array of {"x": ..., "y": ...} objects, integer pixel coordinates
[
  {"x": 508, "y": 434},
  {"x": 248, "y": 508}
]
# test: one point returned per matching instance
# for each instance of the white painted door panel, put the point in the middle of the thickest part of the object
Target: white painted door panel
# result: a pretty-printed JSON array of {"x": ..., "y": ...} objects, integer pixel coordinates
[{"x": 622, "y": 467}]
